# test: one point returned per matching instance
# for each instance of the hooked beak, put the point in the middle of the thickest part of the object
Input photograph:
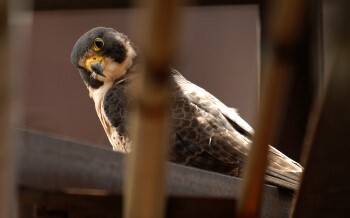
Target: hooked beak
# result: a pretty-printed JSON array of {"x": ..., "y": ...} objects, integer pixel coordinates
[
  {"x": 97, "y": 68},
  {"x": 95, "y": 64}
]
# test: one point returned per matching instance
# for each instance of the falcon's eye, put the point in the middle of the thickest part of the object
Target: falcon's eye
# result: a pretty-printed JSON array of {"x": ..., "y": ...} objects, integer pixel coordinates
[{"x": 98, "y": 44}]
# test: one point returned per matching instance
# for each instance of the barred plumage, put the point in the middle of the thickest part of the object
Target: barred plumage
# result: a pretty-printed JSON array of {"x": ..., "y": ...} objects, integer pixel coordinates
[{"x": 206, "y": 133}]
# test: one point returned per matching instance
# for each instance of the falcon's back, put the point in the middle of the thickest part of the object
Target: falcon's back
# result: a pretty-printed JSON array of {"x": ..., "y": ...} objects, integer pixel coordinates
[
  {"x": 206, "y": 133},
  {"x": 212, "y": 136}
]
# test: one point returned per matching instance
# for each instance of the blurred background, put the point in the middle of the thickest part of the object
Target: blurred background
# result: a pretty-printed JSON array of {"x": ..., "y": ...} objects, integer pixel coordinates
[
  {"x": 219, "y": 51},
  {"x": 225, "y": 47}
]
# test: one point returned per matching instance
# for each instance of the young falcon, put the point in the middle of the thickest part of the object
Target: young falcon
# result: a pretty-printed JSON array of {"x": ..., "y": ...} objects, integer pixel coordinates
[{"x": 206, "y": 133}]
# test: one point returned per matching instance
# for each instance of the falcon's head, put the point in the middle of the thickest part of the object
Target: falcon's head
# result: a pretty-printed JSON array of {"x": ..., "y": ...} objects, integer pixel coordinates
[{"x": 102, "y": 55}]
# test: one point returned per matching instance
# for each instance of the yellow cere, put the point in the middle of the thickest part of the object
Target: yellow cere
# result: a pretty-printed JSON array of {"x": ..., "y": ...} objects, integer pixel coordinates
[{"x": 93, "y": 59}]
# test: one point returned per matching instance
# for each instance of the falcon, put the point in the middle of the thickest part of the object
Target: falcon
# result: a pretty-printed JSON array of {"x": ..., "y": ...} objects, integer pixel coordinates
[{"x": 205, "y": 134}]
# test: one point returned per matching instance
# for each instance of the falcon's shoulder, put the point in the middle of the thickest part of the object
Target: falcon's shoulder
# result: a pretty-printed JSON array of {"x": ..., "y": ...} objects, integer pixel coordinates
[
  {"x": 209, "y": 103},
  {"x": 204, "y": 133}
]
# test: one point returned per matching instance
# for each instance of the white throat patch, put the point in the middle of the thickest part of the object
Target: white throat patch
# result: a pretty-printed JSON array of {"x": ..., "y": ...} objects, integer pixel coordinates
[{"x": 112, "y": 71}]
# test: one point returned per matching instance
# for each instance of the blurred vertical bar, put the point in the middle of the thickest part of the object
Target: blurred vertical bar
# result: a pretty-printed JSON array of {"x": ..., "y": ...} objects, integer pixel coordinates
[
  {"x": 307, "y": 79},
  {"x": 7, "y": 183},
  {"x": 145, "y": 179},
  {"x": 324, "y": 191},
  {"x": 306, "y": 82},
  {"x": 286, "y": 21}
]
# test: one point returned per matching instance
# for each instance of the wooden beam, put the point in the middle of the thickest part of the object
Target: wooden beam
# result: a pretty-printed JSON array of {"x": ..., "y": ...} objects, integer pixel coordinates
[
  {"x": 146, "y": 171},
  {"x": 40, "y": 5}
]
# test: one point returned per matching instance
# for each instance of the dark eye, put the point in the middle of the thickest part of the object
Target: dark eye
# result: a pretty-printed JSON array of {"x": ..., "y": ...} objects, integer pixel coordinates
[{"x": 98, "y": 44}]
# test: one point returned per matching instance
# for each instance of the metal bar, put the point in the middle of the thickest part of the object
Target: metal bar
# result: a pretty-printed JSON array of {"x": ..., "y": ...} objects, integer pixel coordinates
[
  {"x": 284, "y": 38},
  {"x": 79, "y": 205},
  {"x": 145, "y": 178},
  {"x": 65, "y": 205},
  {"x": 71, "y": 167},
  {"x": 40, "y": 5}
]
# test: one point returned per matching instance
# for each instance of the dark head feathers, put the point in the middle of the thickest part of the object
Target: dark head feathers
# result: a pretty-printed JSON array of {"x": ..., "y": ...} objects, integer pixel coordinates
[{"x": 112, "y": 48}]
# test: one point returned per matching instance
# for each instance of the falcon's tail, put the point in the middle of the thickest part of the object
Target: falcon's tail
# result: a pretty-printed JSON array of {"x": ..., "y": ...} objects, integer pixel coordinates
[{"x": 283, "y": 171}]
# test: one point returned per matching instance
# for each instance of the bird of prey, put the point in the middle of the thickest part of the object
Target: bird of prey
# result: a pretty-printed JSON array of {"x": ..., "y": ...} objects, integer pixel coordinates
[{"x": 206, "y": 133}]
